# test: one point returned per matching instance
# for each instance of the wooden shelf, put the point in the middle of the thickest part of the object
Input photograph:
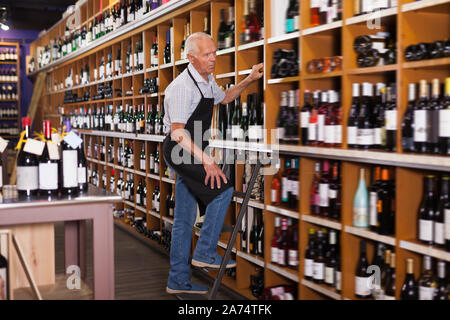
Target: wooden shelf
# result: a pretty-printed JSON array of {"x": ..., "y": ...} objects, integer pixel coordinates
[
  {"x": 323, "y": 75},
  {"x": 226, "y": 75},
  {"x": 252, "y": 45},
  {"x": 292, "y": 275},
  {"x": 415, "y": 246},
  {"x": 168, "y": 180},
  {"x": 329, "y": 292},
  {"x": 370, "y": 16},
  {"x": 251, "y": 203},
  {"x": 166, "y": 65},
  {"x": 322, "y": 222},
  {"x": 251, "y": 258},
  {"x": 153, "y": 176},
  {"x": 226, "y": 51},
  {"x": 423, "y": 4},
  {"x": 431, "y": 63},
  {"x": 283, "y": 80},
  {"x": 181, "y": 62},
  {"x": 322, "y": 28},
  {"x": 365, "y": 233},
  {"x": 284, "y": 37},
  {"x": 283, "y": 212},
  {"x": 392, "y": 67}
]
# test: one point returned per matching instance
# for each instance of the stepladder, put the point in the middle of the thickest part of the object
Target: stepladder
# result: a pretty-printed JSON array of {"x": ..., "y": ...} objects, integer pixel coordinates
[{"x": 257, "y": 164}]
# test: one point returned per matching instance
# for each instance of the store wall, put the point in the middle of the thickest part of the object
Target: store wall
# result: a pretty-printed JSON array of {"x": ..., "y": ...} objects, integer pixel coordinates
[{"x": 25, "y": 38}]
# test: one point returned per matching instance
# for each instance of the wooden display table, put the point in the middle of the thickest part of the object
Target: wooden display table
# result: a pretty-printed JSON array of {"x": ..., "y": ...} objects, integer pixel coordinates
[{"x": 96, "y": 205}]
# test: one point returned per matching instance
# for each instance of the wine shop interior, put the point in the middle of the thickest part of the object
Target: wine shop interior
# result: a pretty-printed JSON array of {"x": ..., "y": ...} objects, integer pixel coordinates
[{"x": 328, "y": 119}]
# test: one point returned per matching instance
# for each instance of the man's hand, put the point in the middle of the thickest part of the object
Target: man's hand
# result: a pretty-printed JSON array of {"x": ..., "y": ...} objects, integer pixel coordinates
[
  {"x": 213, "y": 171},
  {"x": 256, "y": 74}
]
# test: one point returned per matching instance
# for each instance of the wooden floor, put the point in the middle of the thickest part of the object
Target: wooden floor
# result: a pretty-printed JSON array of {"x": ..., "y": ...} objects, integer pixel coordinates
[{"x": 140, "y": 271}]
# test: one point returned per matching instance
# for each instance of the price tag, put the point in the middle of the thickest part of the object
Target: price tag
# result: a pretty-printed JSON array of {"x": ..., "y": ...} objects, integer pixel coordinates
[
  {"x": 56, "y": 138},
  {"x": 3, "y": 144},
  {"x": 34, "y": 146},
  {"x": 53, "y": 150},
  {"x": 73, "y": 140}
]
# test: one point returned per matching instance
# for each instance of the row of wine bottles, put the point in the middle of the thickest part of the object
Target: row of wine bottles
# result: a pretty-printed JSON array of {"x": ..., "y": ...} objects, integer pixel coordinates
[
  {"x": 8, "y": 111},
  {"x": 285, "y": 187},
  {"x": 252, "y": 233},
  {"x": 428, "y": 287},
  {"x": 130, "y": 119},
  {"x": 44, "y": 168},
  {"x": 284, "y": 243}
]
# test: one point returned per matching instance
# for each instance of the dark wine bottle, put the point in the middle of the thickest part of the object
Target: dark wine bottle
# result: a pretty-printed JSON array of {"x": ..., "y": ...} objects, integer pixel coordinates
[
  {"x": 48, "y": 168},
  {"x": 409, "y": 289},
  {"x": 444, "y": 120},
  {"x": 82, "y": 170},
  {"x": 362, "y": 289},
  {"x": 352, "y": 123},
  {"x": 421, "y": 119},
  {"x": 167, "y": 52},
  {"x": 69, "y": 173},
  {"x": 27, "y": 167},
  {"x": 389, "y": 287},
  {"x": 408, "y": 121},
  {"x": 391, "y": 119},
  {"x": 439, "y": 218},
  {"x": 441, "y": 292},
  {"x": 427, "y": 211}
]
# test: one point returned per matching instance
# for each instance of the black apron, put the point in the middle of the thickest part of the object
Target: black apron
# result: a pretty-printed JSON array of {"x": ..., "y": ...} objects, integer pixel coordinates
[{"x": 193, "y": 173}]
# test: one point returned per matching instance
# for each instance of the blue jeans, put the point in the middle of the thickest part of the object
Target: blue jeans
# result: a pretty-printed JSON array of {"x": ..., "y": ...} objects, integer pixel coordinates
[{"x": 185, "y": 214}]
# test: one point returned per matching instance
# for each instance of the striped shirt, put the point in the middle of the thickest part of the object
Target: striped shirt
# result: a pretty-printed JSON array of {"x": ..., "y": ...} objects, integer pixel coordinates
[{"x": 182, "y": 96}]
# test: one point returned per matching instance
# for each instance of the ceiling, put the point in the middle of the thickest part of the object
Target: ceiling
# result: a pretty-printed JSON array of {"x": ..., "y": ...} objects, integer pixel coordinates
[{"x": 34, "y": 14}]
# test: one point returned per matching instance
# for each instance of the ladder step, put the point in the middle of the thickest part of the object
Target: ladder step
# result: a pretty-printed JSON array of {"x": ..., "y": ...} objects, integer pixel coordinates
[{"x": 238, "y": 194}]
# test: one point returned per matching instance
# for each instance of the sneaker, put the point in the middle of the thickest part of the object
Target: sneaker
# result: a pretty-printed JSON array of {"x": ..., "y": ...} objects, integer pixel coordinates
[
  {"x": 215, "y": 264},
  {"x": 188, "y": 287}
]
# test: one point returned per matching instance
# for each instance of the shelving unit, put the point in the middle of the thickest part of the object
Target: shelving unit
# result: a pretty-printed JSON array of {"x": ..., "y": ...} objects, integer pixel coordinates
[
  {"x": 411, "y": 21},
  {"x": 15, "y": 103}
]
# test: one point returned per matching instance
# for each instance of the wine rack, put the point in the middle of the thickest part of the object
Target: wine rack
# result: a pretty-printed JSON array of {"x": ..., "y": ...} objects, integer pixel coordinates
[{"x": 409, "y": 23}]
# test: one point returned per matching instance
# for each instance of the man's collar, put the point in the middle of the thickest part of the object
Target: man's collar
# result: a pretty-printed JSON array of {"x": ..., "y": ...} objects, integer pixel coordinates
[{"x": 197, "y": 75}]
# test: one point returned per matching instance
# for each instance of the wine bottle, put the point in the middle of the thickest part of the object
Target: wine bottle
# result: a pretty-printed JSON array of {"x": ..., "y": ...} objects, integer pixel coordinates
[
  {"x": 408, "y": 121},
  {"x": 361, "y": 203},
  {"x": 440, "y": 292},
  {"x": 334, "y": 194},
  {"x": 293, "y": 248},
  {"x": 167, "y": 50},
  {"x": 319, "y": 260},
  {"x": 27, "y": 167},
  {"x": 362, "y": 289},
  {"x": 409, "y": 289},
  {"x": 331, "y": 260},
  {"x": 427, "y": 281},
  {"x": 391, "y": 119},
  {"x": 292, "y": 17},
  {"x": 253, "y": 244},
  {"x": 276, "y": 186},
  {"x": 273, "y": 246},
  {"x": 222, "y": 33},
  {"x": 48, "y": 168},
  {"x": 82, "y": 170},
  {"x": 314, "y": 12},
  {"x": 69, "y": 176},
  {"x": 285, "y": 184},
  {"x": 421, "y": 119},
  {"x": 389, "y": 287},
  {"x": 373, "y": 200},
  {"x": 384, "y": 204},
  {"x": 283, "y": 244},
  {"x": 434, "y": 106},
  {"x": 444, "y": 121},
  {"x": 4, "y": 278},
  {"x": 304, "y": 117},
  {"x": 439, "y": 218},
  {"x": 154, "y": 52},
  {"x": 365, "y": 131},
  {"x": 309, "y": 256},
  {"x": 352, "y": 122},
  {"x": 313, "y": 121},
  {"x": 324, "y": 189},
  {"x": 427, "y": 211},
  {"x": 314, "y": 194}
]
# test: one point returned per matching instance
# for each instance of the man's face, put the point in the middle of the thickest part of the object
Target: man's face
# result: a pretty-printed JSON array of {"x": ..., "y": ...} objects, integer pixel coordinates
[{"x": 205, "y": 60}]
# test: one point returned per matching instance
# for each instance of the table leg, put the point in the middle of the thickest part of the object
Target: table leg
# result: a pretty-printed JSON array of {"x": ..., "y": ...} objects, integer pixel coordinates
[
  {"x": 103, "y": 254},
  {"x": 75, "y": 245}
]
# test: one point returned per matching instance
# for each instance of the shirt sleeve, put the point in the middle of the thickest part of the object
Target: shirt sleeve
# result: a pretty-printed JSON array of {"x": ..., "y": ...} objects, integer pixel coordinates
[
  {"x": 219, "y": 94},
  {"x": 177, "y": 103}
]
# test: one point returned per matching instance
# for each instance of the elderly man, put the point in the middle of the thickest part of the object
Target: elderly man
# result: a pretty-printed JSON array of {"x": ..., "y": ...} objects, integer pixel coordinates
[{"x": 189, "y": 102}]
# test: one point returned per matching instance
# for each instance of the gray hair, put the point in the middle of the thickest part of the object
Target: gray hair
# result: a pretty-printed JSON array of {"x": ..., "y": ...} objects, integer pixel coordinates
[{"x": 191, "y": 46}]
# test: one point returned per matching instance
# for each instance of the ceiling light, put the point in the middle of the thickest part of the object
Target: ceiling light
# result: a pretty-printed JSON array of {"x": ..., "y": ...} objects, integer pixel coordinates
[{"x": 4, "y": 27}]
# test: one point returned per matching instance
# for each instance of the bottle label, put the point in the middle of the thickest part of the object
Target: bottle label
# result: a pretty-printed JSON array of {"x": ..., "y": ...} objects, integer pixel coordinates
[
  {"x": 318, "y": 270},
  {"x": 338, "y": 280},
  {"x": 282, "y": 257},
  {"x": 329, "y": 134},
  {"x": 48, "y": 176},
  {"x": 377, "y": 136},
  {"x": 312, "y": 131},
  {"x": 332, "y": 194},
  {"x": 444, "y": 123},
  {"x": 82, "y": 175},
  {"x": 329, "y": 275},
  {"x": 143, "y": 164},
  {"x": 321, "y": 127},
  {"x": 373, "y": 212},
  {"x": 70, "y": 172},
  {"x": 365, "y": 137},
  {"x": 274, "y": 254},
  {"x": 362, "y": 286},
  {"x": 274, "y": 196},
  {"x": 323, "y": 195},
  {"x": 447, "y": 224},
  {"x": 439, "y": 233},
  {"x": 284, "y": 189},
  {"x": 304, "y": 118},
  {"x": 360, "y": 217},
  {"x": 138, "y": 199},
  {"x": 426, "y": 230},
  {"x": 315, "y": 3},
  {"x": 351, "y": 135},
  {"x": 27, "y": 178},
  {"x": 338, "y": 134},
  {"x": 290, "y": 25},
  {"x": 309, "y": 267},
  {"x": 426, "y": 293},
  {"x": 293, "y": 258},
  {"x": 420, "y": 126}
]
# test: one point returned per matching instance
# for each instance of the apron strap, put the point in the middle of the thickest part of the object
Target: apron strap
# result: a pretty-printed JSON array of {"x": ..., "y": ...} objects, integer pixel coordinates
[{"x": 190, "y": 74}]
